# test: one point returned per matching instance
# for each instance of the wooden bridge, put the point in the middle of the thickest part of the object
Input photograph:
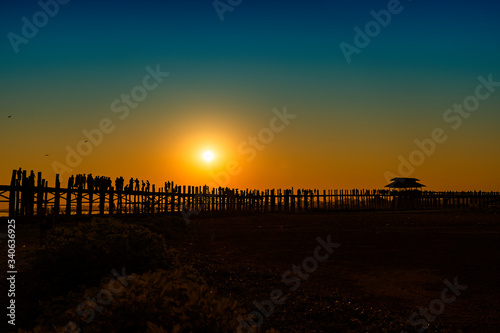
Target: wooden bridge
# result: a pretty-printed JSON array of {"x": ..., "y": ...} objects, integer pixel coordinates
[{"x": 27, "y": 198}]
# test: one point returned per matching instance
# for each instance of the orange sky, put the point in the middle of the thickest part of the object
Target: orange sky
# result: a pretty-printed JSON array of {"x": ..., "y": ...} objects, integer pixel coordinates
[{"x": 151, "y": 87}]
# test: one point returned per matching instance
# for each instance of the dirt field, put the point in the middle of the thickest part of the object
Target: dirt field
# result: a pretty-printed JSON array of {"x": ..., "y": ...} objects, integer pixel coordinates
[
  {"x": 394, "y": 262},
  {"x": 387, "y": 263}
]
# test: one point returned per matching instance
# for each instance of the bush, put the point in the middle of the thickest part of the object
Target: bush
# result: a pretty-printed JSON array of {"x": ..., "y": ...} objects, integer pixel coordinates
[
  {"x": 162, "y": 301},
  {"x": 83, "y": 254}
]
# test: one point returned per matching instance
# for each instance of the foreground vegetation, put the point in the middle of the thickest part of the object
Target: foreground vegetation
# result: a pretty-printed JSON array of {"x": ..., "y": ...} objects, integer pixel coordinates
[{"x": 110, "y": 275}]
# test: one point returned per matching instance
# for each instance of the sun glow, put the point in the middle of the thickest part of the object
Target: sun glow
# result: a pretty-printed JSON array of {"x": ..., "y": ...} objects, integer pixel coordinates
[{"x": 208, "y": 156}]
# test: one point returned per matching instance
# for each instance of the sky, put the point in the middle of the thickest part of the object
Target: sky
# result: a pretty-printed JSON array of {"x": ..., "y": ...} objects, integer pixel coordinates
[{"x": 311, "y": 94}]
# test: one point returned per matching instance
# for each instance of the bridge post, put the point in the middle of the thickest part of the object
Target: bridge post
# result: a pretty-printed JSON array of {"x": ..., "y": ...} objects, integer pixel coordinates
[
  {"x": 111, "y": 200},
  {"x": 12, "y": 196},
  {"x": 57, "y": 196}
]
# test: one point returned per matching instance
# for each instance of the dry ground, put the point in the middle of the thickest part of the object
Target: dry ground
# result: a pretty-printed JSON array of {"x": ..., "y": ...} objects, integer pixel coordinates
[
  {"x": 392, "y": 262},
  {"x": 389, "y": 261}
]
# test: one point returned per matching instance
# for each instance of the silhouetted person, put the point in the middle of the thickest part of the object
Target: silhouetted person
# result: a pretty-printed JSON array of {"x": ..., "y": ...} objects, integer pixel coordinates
[
  {"x": 143, "y": 185},
  {"x": 131, "y": 184},
  {"x": 19, "y": 176},
  {"x": 119, "y": 183},
  {"x": 78, "y": 179},
  {"x": 147, "y": 185},
  {"x": 137, "y": 184},
  {"x": 32, "y": 178},
  {"x": 90, "y": 182}
]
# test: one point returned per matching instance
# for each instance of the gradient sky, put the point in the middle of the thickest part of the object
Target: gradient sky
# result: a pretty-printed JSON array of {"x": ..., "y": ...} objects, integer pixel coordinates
[{"x": 353, "y": 120}]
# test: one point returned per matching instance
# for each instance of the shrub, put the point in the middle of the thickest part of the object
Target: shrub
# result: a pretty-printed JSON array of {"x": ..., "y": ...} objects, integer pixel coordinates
[
  {"x": 83, "y": 254},
  {"x": 178, "y": 301}
]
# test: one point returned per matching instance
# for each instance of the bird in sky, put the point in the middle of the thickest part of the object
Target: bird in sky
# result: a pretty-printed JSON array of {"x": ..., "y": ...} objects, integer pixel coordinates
[
  {"x": 9, "y": 116},
  {"x": 46, "y": 154}
]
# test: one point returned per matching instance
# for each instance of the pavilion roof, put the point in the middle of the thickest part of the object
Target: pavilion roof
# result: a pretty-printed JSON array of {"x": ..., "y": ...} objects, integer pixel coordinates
[{"x": 400, "y": 182}]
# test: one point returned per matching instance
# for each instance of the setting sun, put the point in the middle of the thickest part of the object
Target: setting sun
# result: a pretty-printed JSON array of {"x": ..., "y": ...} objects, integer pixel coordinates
[{"x": 208, "y": 156}]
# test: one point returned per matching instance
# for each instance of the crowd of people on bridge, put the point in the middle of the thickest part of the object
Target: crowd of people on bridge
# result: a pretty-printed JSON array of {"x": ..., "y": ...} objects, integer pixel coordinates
[
  {"x": 20, "y": 174},
  {"x": 95, "y": 183},
  {"x": 89, "y": 182},
  {"x": 101, "y": 183}
]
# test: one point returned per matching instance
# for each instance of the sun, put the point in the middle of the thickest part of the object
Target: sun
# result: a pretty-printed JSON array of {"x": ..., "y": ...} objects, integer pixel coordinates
[{"x": 208, "y": 156}]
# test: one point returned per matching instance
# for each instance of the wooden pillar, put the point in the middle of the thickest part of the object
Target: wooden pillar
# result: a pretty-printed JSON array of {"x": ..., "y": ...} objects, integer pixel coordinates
[
  {"x": 18, "y": 195},
  {"x": 79, "y": 197},
  {"x": 153, "y": 199},
  {"x": 287, "y": 200},
  {"x": 111, "y": 200},
  {"x": 296, "y": 200},
  {"x": 172, "y": 199},
  {"x": 13, "y": 195},
  {"x": 68, "y": 201},
  {"x": 222, "y": 199},
  {"x": 212, "y": 199},
  {"x": 128, "y": 202},
  {"x": 45, "y": 194},
  {"x": 118, "y": 206},
  {"x": 183, "y": 195},
  {"x": 57, "y": 196},
  {"x": 141, "y": 203},
  {"x": 91, "y": 199},
  {"x": 31, "y": 196},
  {"x": 306, "y": 202},
  {"x": 165, "y": 194},
  {"x": 23, "y": 190},
  {"x": 192, "y": 201},
  {"x": 180, "y": 197},
  {"x": 317, "y": 199},
  {"x": 102, "y": 200},
  {"x": 39, "y": 194},
  {"x": 273, "y": 200}
]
